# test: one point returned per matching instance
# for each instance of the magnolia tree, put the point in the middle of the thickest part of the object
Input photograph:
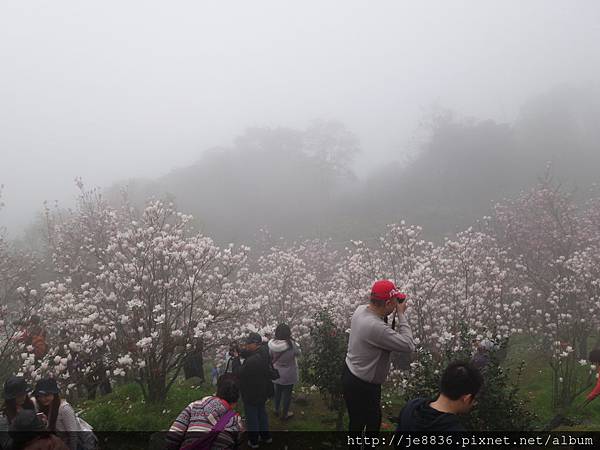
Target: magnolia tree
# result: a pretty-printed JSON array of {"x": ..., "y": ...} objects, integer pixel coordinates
[
  {"x": 555, "y": 249},
  {"x": 288, "y": 284},
  {"x": 141, "y": 292},
  {"x": 463, "y": 280},
  {"x": 17, "y": 297},
  {"x": 401, "y": 255}
]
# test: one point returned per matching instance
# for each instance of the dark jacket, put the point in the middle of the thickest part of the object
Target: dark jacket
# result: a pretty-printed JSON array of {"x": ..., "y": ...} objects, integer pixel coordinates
[
  {"x": 255, "y": 377},
  {"x": 417, "y": 415}
]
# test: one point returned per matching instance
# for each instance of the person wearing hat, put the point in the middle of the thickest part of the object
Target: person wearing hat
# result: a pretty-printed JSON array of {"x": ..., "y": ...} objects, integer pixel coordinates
[
  {"x": 29, "y": 433},
  {"x": 368, "y": 358},
  {"x": 59, "y": 414},
  {"x": 255, "y": 378},
  {"x": 15, "y": 401}
]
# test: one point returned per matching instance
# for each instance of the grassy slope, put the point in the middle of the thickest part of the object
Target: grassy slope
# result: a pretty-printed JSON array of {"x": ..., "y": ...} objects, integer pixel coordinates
[
  {"x": 124, "y": 409},
  {"x": 536, "y": 382}
]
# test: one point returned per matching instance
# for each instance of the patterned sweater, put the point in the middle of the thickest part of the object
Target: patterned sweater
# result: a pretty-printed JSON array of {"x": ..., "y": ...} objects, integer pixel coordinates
[{"x": 200, "y": 417}]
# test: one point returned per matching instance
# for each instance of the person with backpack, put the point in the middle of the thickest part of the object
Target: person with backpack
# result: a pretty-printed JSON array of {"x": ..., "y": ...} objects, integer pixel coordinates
[
  {"x": 16, "y": 399},
  {"x": 209, "y": 423},
  {"x": 29, "y": 433},
  {"x": 255, "y": 377},
  {"x": 60, "y": 416},
  {"x": 459, "y": 386},
  {"x": 284, "y": 351}
]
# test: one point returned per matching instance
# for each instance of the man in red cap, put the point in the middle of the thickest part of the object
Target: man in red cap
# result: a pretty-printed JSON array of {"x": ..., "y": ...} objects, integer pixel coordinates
[{"x": 368, "y": 358}]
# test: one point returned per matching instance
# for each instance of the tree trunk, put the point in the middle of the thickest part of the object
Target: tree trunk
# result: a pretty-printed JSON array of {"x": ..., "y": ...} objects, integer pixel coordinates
[{"x": 157, "y": 392}]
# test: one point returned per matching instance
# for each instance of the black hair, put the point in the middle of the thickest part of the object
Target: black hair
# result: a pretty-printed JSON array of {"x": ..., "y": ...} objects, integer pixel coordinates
[
  {"x": 284, "y": 333},
  {"x": 460, "y": 378},
  {"x": 227, "y": 388}
]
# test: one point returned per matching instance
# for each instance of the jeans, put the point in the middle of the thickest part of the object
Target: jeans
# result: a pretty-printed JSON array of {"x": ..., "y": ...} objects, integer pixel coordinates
[
  {"x": 283, "y": 397},
  {"x": 363, "y": 401},
  {"x": 257, "y": 422}
]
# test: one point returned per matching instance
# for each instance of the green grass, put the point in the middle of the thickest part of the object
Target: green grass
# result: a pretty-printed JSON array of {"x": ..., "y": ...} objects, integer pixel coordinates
[
  {"x": 125, "y": 409},
  {"x": 536, "y": 385}
]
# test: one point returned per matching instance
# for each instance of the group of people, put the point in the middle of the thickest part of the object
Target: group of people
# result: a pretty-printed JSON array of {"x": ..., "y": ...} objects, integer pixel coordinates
[
  {"x": 256, "y": 370},
  {"x": 261, "y": 368},
  {"x": 38, "y": 420}
]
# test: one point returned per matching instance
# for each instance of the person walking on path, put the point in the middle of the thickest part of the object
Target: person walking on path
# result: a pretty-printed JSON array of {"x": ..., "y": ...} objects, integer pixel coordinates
[
  {"x": 284, "y": 351},
  {"x": 368, "y": 358}
]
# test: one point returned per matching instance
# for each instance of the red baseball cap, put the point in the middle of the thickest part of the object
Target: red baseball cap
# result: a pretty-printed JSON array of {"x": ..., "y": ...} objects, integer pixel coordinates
[{"x": 384, "y": 290}]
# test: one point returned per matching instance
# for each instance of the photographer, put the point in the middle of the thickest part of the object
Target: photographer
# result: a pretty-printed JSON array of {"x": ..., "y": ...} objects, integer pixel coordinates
[{"x": 368, "y": 357}]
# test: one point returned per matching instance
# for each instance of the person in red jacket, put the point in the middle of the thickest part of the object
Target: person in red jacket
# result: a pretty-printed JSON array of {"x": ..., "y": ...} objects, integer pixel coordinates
[
  {"x": 595, "y": 359},
  {"x": 34, "y": 334}
]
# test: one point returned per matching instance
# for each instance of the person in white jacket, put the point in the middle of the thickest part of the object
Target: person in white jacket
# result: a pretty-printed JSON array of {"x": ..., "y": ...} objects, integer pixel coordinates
[
  {"x": 59, "y": 415},
  {"x": 284, "y": 351}
]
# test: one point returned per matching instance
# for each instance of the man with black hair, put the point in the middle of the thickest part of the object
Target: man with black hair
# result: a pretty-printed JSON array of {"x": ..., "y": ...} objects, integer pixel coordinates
[
  {"x": 368, "y": 358},
  {"x": 459, "y": 385}
]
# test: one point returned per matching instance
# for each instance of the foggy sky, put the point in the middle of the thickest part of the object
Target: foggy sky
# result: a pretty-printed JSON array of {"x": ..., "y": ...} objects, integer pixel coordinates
[{"x": 117, "y": 89}]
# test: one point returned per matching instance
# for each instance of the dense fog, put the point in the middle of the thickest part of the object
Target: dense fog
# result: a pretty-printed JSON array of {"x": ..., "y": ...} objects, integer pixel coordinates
[{"x": 313, "y": 119}]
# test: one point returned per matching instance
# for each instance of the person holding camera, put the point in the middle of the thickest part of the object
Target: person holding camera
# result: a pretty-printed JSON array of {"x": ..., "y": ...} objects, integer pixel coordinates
[{"x": 368, "y": 357}]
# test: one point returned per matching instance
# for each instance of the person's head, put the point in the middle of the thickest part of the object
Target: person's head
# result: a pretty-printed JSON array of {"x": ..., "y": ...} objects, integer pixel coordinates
[
  {"x": 47, "y": 395},
  {"x": 485, "y": 345},
  {"x": 34, "y": 320},
  {"x": 283, "y": 332},
  {"x": 385, "y": 297},
  {"x": 15, "y": 390},
  {"x": 227, "y": 388},
  {"x": 25, "y": 427},
  {"x": 46, "y": 390},
  {"x": 252, "y": 342},
  {"x": 460, "y": 383},
  {"x": 16, "y": 397}
]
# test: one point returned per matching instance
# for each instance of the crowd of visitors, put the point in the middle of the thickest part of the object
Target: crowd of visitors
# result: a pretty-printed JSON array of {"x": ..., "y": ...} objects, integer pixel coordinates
[{"x": 257, "y": 369}]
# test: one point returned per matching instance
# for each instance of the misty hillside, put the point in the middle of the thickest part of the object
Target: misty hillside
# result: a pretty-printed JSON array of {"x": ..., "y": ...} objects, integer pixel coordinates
[{"x": 303, "y": 182}]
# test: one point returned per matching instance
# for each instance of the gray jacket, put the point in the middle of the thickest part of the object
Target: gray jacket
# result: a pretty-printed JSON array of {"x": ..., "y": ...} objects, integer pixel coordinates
[{"x": 284, "y": 360}]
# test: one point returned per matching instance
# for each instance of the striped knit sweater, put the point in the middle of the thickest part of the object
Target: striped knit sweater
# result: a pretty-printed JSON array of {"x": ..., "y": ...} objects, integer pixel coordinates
[{"x": 200, "y": 417}]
